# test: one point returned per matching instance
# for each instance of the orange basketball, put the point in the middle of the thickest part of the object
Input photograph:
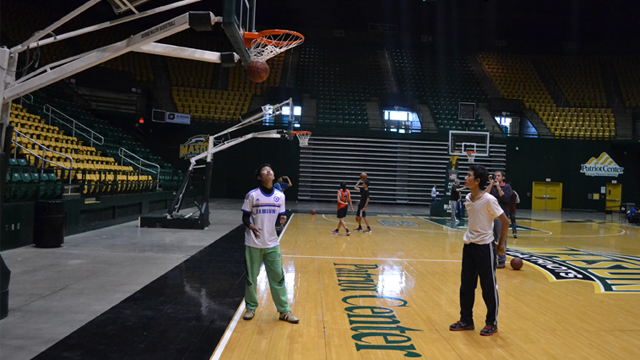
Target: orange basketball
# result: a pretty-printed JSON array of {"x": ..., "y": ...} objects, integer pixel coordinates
[
  {"x": 313, "y": 212},
  {"x": 516, "y": 263},
  {"x": 363, "y": 176},
  {"x": 258, "y": 71}
]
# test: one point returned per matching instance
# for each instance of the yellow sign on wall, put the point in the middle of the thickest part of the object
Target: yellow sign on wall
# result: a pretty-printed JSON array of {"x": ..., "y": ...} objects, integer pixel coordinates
[{"x": 195, "y": 146}]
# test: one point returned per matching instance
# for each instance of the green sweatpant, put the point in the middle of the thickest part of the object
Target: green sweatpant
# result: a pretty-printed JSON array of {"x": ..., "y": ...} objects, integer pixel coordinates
[{"x": 273, "y": 264}]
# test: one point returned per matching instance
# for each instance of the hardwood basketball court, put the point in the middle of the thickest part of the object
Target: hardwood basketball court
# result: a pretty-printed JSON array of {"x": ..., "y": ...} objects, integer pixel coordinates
[{"x": 392, "y": 294}]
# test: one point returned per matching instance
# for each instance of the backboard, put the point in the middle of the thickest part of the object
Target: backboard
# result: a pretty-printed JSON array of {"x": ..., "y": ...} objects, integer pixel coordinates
[
  {"x": 462, "y": 141},
  {"x": 239, "y": 16}
]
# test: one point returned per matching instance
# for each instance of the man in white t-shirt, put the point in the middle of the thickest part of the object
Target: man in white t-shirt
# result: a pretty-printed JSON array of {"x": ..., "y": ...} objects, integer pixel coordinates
[
  {"x": 261, "y": 212},
  {"x": 479, "y": 256}
]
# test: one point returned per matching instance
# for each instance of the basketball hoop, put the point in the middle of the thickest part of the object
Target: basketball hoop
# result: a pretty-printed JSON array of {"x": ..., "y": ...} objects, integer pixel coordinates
[
  {"x": 266, "y": 44},
  {"x": 303, "y": 137},
  {"x": 471, "y": 155}
]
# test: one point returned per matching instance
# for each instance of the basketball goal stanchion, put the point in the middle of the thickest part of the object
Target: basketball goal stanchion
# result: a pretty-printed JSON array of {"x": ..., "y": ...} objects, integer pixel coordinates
[
  {"x": 471, "y": 154},
  {"x": 303, "y": 137}
]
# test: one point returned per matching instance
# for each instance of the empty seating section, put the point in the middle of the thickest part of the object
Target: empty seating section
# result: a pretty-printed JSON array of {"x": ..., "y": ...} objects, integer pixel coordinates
[
  {"x": 579, "y": 123},
  {"x": 516, "y": 78},
  {"x": 25, "y": 183},
  {"x": 94, "y": 168},
  {"x": 211, "y": 105},
  {"x": 441, "y": 84},
  {"x": 579, "y": 79},
  {"x": 627, "y": 69},
  {"x": 238, "y": 80},
  {"x": 190, "y": 73},
  {"x": 114, "y": 139},
  {"x": 95, "y": 173},
  {"x": 342, "y": 80},
  {"x": 193, "y": 95}
]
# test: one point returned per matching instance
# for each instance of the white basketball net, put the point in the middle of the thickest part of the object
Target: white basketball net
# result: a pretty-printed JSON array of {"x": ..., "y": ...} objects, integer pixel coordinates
[
  {"x": 303, "y": 138},
  {"x": 269, "y": 45},
  {"x": 471, "y": 155}
]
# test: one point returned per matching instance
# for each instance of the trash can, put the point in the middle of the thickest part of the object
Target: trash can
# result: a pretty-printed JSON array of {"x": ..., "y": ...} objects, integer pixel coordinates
[
  {"x": 5, "y": 275},
  {"x": 49, "y": 221}
]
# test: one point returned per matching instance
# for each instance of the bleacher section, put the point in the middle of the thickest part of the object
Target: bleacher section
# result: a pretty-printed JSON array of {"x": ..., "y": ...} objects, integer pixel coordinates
[
  {"x": 211, "y": 105},
  {"x": 579, "y": 79},
  {"x": 441, "y": 84},
  {"x": 342, "y": 80},
  {"x": 627, "y": 69},
  {"x": 96, "y": 174},
  {"x": 395, "y": 179},
  {"x": 190, "y": 73},
  {"x": 96, "y": 171},
  {"x": 193, "y": 95},
  {"x": 516, "y": 78}
]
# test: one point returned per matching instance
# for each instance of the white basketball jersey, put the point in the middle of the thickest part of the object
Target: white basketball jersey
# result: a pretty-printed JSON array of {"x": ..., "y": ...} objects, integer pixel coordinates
[{"x": 264, "y": 210}]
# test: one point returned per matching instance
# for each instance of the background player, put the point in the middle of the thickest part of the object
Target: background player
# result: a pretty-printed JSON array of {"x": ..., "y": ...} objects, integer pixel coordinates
[
  {"x": 281, "y": 184},
  {"x": 453, "y": 200},
  {"x": 362, "y": 205},
  {"x": 344, "y": 199},
  {"x": 501, "y": 191},
  {"x": 260, "y": 213},
  {"x": 479, "y": 252},
  {"x": 515, "y": 199}
]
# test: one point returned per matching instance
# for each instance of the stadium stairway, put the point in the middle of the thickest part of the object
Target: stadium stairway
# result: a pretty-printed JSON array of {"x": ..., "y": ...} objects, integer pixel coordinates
[
  {"x": 489, "y": 122},
  {"x": 537, "y": 123},
  {"x": 485, "y": 79},
  {"x": 624, "y": 125},
  {"x": 547, "y": 79}
]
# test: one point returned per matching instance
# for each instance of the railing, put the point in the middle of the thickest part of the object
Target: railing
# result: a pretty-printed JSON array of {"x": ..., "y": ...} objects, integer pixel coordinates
[
  {"x": 138, "y": 161},
  {"x": 75, "y": 126},
  {"x": 24, "y": 99},
  {"x": 44, "y": 153}
]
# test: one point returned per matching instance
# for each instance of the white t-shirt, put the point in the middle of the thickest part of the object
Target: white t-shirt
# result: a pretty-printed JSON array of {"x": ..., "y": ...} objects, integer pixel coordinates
[
  {"x": 481, "y": 214},
  {"x": 264, "y": 210}
]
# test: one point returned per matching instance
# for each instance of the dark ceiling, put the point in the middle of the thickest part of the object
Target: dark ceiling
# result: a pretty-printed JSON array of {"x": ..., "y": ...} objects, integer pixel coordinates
[{"x": 537, "y": 21}]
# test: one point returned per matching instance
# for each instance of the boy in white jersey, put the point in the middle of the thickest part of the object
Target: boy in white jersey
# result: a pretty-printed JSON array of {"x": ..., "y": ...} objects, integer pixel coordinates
[
  {"x": 479, "y": 256},
  {"x": 261, "y": 212}
]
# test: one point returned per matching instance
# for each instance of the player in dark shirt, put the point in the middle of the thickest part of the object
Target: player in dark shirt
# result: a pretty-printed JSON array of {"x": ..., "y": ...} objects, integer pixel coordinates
[
  {"x": 362, "y": 205},
  {"x": 501, "y": 191}
]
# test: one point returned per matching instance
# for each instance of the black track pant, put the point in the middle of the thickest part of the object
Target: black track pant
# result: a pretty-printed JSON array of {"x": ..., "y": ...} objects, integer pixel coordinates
[{"x": 479, "y": 260}]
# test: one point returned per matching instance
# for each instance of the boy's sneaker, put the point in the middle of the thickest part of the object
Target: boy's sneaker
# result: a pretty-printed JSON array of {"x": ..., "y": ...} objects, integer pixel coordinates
[
  {"x": 500, "y": 265},
  {"x": 459, "y": 326},
  {"x": 288, "y": 317},
  {"x": 335, "y": 232},
  {"x": 249, "y": 314},
  {"x": 489, "y": 330},
  {"x": 348, "y": 232},
  {"x": 368, "y": 231},
  {"x": 359, "y": 229}
]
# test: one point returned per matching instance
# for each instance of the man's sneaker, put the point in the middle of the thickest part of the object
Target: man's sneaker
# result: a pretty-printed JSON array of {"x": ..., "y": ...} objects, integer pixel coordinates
[
  {"x": 249, "y": 314},
  {"x": 359, "y": 229},
  {"x": 368, "y": 231},
  {"x": 348, "y": 232},
  {"x": 335, "y": 232},
  {"x": 288, "y": 317},
  {"x": 459, "y": 326},
  {"x": 489, "y": 330},
  {"x": 500, "y": 265},
  {"x": 515, "y": 236}
]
